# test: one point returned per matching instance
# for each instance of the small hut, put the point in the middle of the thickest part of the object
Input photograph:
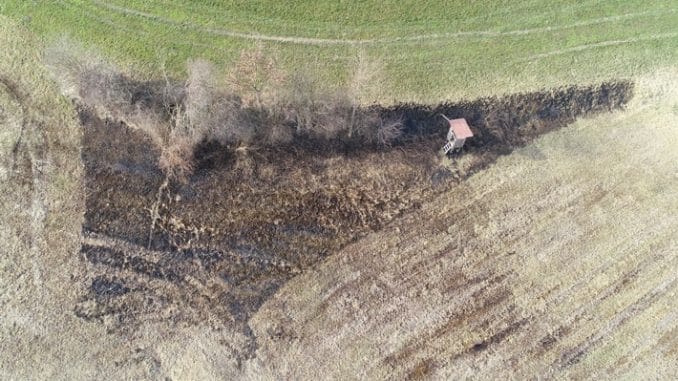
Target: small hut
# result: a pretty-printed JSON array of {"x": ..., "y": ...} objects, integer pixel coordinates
[{"x": 458, "y": 133}]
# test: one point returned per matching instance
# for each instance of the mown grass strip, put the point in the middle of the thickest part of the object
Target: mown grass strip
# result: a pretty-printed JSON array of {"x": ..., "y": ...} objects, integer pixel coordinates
[{"x": 427, "y": 52}]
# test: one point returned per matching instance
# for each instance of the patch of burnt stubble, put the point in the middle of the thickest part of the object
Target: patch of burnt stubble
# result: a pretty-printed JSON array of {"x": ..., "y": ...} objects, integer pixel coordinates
[{"x": 226, "y": 240}]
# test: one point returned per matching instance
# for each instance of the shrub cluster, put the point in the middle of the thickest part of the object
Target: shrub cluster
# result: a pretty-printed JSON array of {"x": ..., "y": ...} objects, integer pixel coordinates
[{"x": 257, "y": 105}]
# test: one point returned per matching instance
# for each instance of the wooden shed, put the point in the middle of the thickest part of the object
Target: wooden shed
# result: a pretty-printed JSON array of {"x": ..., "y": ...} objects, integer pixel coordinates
[{"x": 458, "y": 133}]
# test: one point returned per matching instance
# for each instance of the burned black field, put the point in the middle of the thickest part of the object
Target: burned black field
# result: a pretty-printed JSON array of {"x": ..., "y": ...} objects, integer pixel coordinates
[{"x": 211, "y": 249}]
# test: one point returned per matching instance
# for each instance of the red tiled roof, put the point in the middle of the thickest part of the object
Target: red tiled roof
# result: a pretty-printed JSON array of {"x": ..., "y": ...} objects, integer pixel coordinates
[{"x": 460, "y": 128}]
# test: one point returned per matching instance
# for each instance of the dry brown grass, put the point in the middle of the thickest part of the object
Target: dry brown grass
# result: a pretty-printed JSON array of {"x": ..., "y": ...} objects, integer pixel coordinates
[
  {"x": 557, "y": 262},
  {"x": 42, "y": 207},
  {"x": 41, "y": 272}
]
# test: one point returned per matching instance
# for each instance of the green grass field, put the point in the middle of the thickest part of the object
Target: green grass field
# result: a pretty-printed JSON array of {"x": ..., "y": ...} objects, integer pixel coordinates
[{"x": 427, "y": 52}]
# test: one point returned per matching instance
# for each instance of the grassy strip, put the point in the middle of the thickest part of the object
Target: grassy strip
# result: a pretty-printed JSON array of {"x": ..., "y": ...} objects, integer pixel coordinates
[{"x": 529, "y": 45}]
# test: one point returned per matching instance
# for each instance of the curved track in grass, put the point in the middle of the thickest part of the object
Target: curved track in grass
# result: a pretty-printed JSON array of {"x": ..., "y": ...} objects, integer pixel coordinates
[
  {"x": 370, "y": 41},
  {"x": 423, "y": 52}
]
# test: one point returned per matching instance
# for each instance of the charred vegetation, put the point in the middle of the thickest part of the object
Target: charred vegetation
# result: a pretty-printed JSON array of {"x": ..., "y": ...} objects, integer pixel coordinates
[{"x": 247, "y": 219}]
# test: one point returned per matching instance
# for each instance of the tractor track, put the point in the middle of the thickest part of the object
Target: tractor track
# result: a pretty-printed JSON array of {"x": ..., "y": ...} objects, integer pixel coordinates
[
  {"x": 375, "y": 41},
  {"x": 602, "y": 44}
]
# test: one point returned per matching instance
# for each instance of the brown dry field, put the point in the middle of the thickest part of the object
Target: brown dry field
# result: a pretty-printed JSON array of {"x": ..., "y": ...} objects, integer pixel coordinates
[{"x": 556, "y": 260}]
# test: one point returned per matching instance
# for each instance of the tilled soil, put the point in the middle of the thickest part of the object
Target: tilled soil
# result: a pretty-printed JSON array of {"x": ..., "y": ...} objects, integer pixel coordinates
[{"x": 213, "y": 249}]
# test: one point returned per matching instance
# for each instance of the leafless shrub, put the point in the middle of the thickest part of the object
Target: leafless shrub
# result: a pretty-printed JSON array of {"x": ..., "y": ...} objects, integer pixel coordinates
[
  {"x": 278, "y": 133},
  {"x": 326, "y": 114},
  {"x": 336, "y": 114},
  {"x": 333, "y": 116},
  {"x": 364, "y": 78},
  {"x": 270, "y": 108},
  {"x": 86, "y": 76},
  {"x": 300, "y": 102},
  {"x": 154, "y": 109},
  {"x": 176, "y": 159},
  {"x": 256, "y": 78},
  {"x": 389, "y": 131},
  {"x": 245, "y": 164},
  {"x": 176, "y": 147},
  {"x": 199, "y": 104}
]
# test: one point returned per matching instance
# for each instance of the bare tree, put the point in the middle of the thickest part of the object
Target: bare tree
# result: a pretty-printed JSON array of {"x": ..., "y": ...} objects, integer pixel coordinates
[{"x": 265, "y": 106}]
